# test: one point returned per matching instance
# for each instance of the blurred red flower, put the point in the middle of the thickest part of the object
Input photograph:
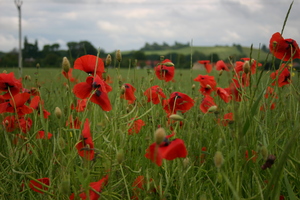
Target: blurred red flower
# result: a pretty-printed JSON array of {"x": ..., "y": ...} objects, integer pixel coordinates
[
  {"x": 168, "y": 150},
  {"x": 206, "y": 64},
  {"x": 206, "y": 103},
  {"x": 207, "y": 83},
  {"x": 17, "y": 104},
  {"x": 220, "y": 65},
  {"x": 9, "y": 84},
  {"x": 224, "y": 94},
  {"x": 73, "y": 124},
  {"x": 96, "y": 87},
  {"x": 136, "y": 126},
  {"x": 165, "y": 71},
  {"x": 42, "y": 135},
  {"x": 87, "y": 63},
  {"x": 178, "y": 102},
  {"x": 37, "y": 186},
  {"x": 96, "y": 188},
  {"x": 34, "y": 104},
  {"x": 85, "y": 146},
  {"x": 80, "y": 106},
  {"x": 284, "y": 77},
  {"x": 68, "y": 75},
  {"x": 284, "y": 49},
  {"x": 128, "y": 93},
  {"x": 155, "y": 94}
]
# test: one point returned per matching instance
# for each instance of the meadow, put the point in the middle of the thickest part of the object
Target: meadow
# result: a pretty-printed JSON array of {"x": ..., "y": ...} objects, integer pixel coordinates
[{"x": 87, "y": 131}]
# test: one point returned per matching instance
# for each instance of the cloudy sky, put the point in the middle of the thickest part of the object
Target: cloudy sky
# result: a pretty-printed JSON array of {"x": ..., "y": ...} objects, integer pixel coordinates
[{"x": 129, "y": 24}]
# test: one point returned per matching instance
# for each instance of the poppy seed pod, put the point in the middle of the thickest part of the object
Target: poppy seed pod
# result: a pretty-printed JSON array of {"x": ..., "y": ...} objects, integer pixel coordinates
[
  {"x": 118, "y": 56},
  {"x": 246, "y": 67},
  {"x": 218, "y": 159},
  {"x": 108, "y": 60},
  {"x": 176, "y": 117},
  {"x": 120, "y": 156},
  {"x": 212, "y": 109},
  {"x": 66, "y": 64},
  {"x": 58, "y": 112},
  {"x": 159, "y": 135}
]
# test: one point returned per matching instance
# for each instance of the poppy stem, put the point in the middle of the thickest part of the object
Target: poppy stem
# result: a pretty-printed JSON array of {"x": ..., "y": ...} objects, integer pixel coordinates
[{"x": 126, "y": 186}]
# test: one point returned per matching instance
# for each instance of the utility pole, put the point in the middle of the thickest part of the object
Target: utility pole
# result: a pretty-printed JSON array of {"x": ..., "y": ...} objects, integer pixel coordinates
[{"x": 19, "y": 4}]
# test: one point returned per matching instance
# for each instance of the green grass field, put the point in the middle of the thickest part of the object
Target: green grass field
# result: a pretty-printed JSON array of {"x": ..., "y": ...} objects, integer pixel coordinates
[{"x": 119, "y": 155}]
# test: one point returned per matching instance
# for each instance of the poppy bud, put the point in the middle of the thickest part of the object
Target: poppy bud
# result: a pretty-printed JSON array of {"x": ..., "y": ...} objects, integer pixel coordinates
[
  {"x": 57, "y": 112},
  {"x": 151, "y": 80},
  {"x": 118, "y": 56},
  {"x": 186, "y": 162},
  {"x": 169, "y": 64},
  {"x": 4, "y": 71},
  {"x": 162, "y": 58},
  {"x": 159, "y": 135},
  {"x": 193, "y": 86},
  {"x": 264, "y": 152},
  {"x": 108, "y": 60},
  {"x": 218, "y": 159},
  {"x": 176, "y": 117},
  {"x": 212, "y": 109},
  {"x": 123, "y": 89},
  {"x": 38, "y": 65},
  {"x": 66, "y": 64},
  {"x": 221, "y": 72},
  {"x": 246, "y": 67},
  {"x": 208, "y": 86},
  {"x": 120, "y": 156},
  {"x": 28, "y": 77}
]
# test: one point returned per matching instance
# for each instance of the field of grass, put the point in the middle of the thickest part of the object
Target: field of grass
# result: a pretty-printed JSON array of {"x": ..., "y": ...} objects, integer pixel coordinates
[{"x": 223, "y": 162}]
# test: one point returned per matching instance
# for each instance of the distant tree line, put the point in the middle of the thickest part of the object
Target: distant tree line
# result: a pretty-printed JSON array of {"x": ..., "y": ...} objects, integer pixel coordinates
[{"x": 163, "y": 46}]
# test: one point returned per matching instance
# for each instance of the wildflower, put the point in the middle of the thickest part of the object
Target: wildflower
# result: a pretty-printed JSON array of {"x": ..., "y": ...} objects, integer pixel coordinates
[
  {"x": 207, "y": 103},
  {"x": 224, "y": 94},
  {"x": 87, "y": 63},
  {"x": 73, "y": 124},
  {"x": 96, "y": 188},
  {"x": 206, "y": 64},
  {"x": 9, "y": 84},
  {"x": 36, "y": 185},
  {"x": 284, "y": 49},
  {"x": 136, "y": 126},
  {"x": 17, "y": 104},
  {"x": 85, "y": 146},
  {"x": 80, "y": 106},
  {"x": 284, "y": 77},
  {"x": 207, "y": 83},
  {"x": 168, "y": 150},
  {"x": 68, "y": 75},
  {"x": 165, "y": 71},
  {"x": 35, "y": 104},
  {"x": 269, "y": 162},
  {"x": 96, "y": 87},
  {"x": 221, "y": 66},
  {"x": 42, "y": 135},
  {"x": 227, "y": 119},
  {"x": 138, "y": 185},
  {"x": 203, "y": 155},
  {"x": 178, "y": 102},
  {"x": 154, "y": 94},
  {"x": 128, "y": 93},
  {"x": 234, "y": 90}
]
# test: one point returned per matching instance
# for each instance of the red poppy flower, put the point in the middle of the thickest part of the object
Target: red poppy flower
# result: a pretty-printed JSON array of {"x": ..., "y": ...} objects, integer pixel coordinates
[
  {"x": 73, "y": 124},
  {"x": 178, "y": 102},
  {"x": 206, "y": 103},
  {"x": 9, "y": 84},
  {"x": 85, "y": 146},
  {"x": 34, "y": 104},
  {"x": 87, "y": 63},
  {"x": 11, "y": 123},
  {"x": 227, "y": 119},
  {"x": 136, "y": 126},
  {"x": 234, "y": 90},
  {"x": 42, "y": 135},
  {"x": 37, "y": 186},
  {"x": 203, "y": 155},
  {"x": 206, "y": 64},
  {"x": 168, "y": 150},
  {"x": 165, "y": 72},
  {"x": 224, "y": 94},
  {"x": 81, "y": 105},
  {"x": 128, "y": 93},
  {"x": 138, "y": 185},
  {"x": 284, "y": 49},
  {"x": 96, "y": 188},
  {"x": 95, "y": 87},
  {"x": 284, "y": 77},
  {"x": 17, "y": 104},
  {"x": 207, "y": 83},
  {"x": 220, "y": 65},
  {"x": 154, "y": 94},
  {"x": 69, "y": 75},
  {"x": 264, "y": 107}
]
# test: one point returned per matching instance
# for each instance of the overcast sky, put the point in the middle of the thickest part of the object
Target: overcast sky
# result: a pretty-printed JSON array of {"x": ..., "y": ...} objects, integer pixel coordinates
[{"x": 129, "y": 24}]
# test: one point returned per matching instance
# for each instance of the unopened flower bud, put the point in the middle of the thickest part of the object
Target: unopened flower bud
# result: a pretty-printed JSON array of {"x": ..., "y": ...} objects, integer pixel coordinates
[
  {"x": 208, "y": 86},
  {"x": 57, "y": 112},
  {"x": 246, "y": 67},
  {"x": 108, "y": 60},
  {"x": 4, "y": 71},
  {"x": 118, "y": 56},
  {"x": 212, "y": 109},
  {"x": 162, "y": 58},
  {"x": 193, "y": 86},
  {"x": 28, "y": 77},
  {"x": 186, "y": 162},
  {"x": 168, "y": 64},
  {"x": 123, "y": 89},
  {"x": 218, "y": 159},
  {"x": 159, "y": 135},
  {"x": 176, "y": 117},
  {"x": 264, "y": 152},
  {"x": 38, "y": 65},
  {"x": 66, "y": 64},
  {"x": 120, "y": 156},
  {"x": 221, "y": 72}
]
